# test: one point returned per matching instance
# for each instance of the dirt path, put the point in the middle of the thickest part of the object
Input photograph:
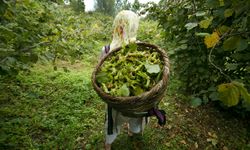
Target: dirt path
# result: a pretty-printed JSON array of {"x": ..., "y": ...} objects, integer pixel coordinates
[{"x": 209, "y": 127}]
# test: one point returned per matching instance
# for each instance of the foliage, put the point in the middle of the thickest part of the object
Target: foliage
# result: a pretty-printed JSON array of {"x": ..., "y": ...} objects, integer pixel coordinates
[
  {"x": 230, "y": 94},
  {"x": 105, "y": 6},
  {"x": 78, "y": 5},
  {"x": 122, "y": 5},
  {"x": 149, "y": 32},
  {"x": 33, "y": 30},
  {"x": 23, "y": 24},
  {"x": 132, "y": 71},
  {"x": 72, "y": 37},
  {"x": 136, "y": 6},
  {"x": 47, "y": 109},
  {"x": 208, "y": 42}
]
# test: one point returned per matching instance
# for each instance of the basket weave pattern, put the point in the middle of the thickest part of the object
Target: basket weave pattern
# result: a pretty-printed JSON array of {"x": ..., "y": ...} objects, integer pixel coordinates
[{"x": 135, "y": 106}]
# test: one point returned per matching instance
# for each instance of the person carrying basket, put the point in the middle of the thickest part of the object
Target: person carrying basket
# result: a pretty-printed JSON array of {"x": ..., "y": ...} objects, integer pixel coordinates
[{"x": 125, "y": 28}]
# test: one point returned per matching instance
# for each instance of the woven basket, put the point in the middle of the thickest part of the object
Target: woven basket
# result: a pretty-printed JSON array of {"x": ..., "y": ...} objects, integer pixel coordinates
[{"x": 136, "y": 106}]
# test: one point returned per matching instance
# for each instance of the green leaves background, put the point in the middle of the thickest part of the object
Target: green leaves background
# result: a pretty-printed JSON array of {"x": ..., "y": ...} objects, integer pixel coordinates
[
  {"x": 32, "y": 30},
  {"x": 186, "y": 24}
]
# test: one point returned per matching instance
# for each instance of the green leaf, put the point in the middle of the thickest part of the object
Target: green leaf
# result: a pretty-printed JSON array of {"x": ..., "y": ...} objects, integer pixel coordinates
[
  {"x": 202, "y": 34},
  {"x": 248, "y": 68},
  {"x": 33, "y": 58},
  {"x": 212, "y": 3},
  {"x": 183, "y": 46},
  {"x": 228, "y": 13},
  {"x": 214, "y": 96},
  {"x": 205, "y": 99},
  {"x": 104, "y": 87},
  {"x": 183, "y": 41},
  {"x": 138, "y": 90},
  {"x": 123, "y": 91},
  {"x": 241, "y": 57},
  {"x": 246, "y": 105},
  {"x": 212, "y": 89},
  {"x": 229, "y": 94},
  {"x": 240, "y": 8},
  {"x": 24, "y": 58},
  {"x": 235, "y": 42},
  {"x": 196, "y": 101},
  {"x": 55, "y": 68},
  {"x": 221, "y": 3},
  {"x": 245, "y": 95},
  {"x": 7, "y": 33},
  {"x": 213, "y": 141},
  {"x": 242, "y": 45},
  {"x": 33, "y": 95},
  {"x": 154, "y": 68},
  {"x": 231, "y": 43},
  {"x": 11, "y": 61},
  {"x": 102, "y": 77},
  {"x": 200, "y": 13},
  {"x": 190, "y": 26},
  {"x": 205, "y": 23},
  {"x": 219, "y": 13},
  {"x": 243, "y": 91},
  {"x": 223, "y": 29},
  {"x": 133, "y": 46},
  {"x": 231, "y": 66}
]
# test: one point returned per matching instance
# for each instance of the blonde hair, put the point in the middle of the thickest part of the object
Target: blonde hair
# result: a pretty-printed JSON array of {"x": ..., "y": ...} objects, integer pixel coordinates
[{"x": 125, "y": 28}]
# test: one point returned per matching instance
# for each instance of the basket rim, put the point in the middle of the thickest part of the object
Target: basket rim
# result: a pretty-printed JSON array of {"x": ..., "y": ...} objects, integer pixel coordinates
[{"x": 128, "y": 99}]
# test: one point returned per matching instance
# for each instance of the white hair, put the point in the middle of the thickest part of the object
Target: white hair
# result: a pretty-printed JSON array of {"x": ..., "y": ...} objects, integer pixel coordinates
[{"x": 125, "y": 28}]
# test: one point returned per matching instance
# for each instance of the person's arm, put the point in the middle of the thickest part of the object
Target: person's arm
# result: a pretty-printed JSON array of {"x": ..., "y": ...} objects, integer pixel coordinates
[{"x": 104, "y": 51}]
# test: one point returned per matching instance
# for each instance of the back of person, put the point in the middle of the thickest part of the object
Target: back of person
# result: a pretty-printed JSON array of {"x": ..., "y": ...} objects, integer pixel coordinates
[{"x": 125, "y": 28}]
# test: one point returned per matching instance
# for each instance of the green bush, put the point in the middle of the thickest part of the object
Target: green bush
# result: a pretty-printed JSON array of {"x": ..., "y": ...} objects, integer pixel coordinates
[
  {"x": 208, "y": 42},
  {"x": 149, "y": 32},
  {"x": 78, "y": 5},
  {"x": 22, "y": 26},
  {"x": 32, "y": 30}
]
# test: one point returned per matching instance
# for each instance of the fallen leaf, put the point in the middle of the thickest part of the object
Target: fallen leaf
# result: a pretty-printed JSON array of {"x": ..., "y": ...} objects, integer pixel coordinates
[
  {"x": 209, "y": 139},
  {"x": 225, "y": 148},
  {"x": 213, "y": 141},
  {"x": 80, "y": 139},
  {"x": 167, "y": 144},
  {"x": 183, "y": 142},
  {"x": 172, "y": 136},
  {"x": 209, "y": 133},
  {"x": 169, "y": 126},
  {"x": 214, "y": 136},
  {"x": 196, "y": 145}
]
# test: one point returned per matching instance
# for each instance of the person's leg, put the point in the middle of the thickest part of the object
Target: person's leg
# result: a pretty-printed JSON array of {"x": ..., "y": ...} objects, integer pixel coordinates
[
  {"x": 118, "y": 120},
  {"x": 136, "y": 128},
  {"x": 137, "y": 125}
]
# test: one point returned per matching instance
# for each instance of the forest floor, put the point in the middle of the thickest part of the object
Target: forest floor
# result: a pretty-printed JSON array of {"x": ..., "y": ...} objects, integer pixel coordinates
[{"x": 47, "y": 109}]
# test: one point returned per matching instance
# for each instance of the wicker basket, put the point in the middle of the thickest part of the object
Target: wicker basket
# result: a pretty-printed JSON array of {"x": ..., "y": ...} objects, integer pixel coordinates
[{"x": 136, "y": 106}]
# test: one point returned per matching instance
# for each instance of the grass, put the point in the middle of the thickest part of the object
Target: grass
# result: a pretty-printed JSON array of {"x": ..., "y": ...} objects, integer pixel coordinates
[{"x": 47, "y": 109}]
